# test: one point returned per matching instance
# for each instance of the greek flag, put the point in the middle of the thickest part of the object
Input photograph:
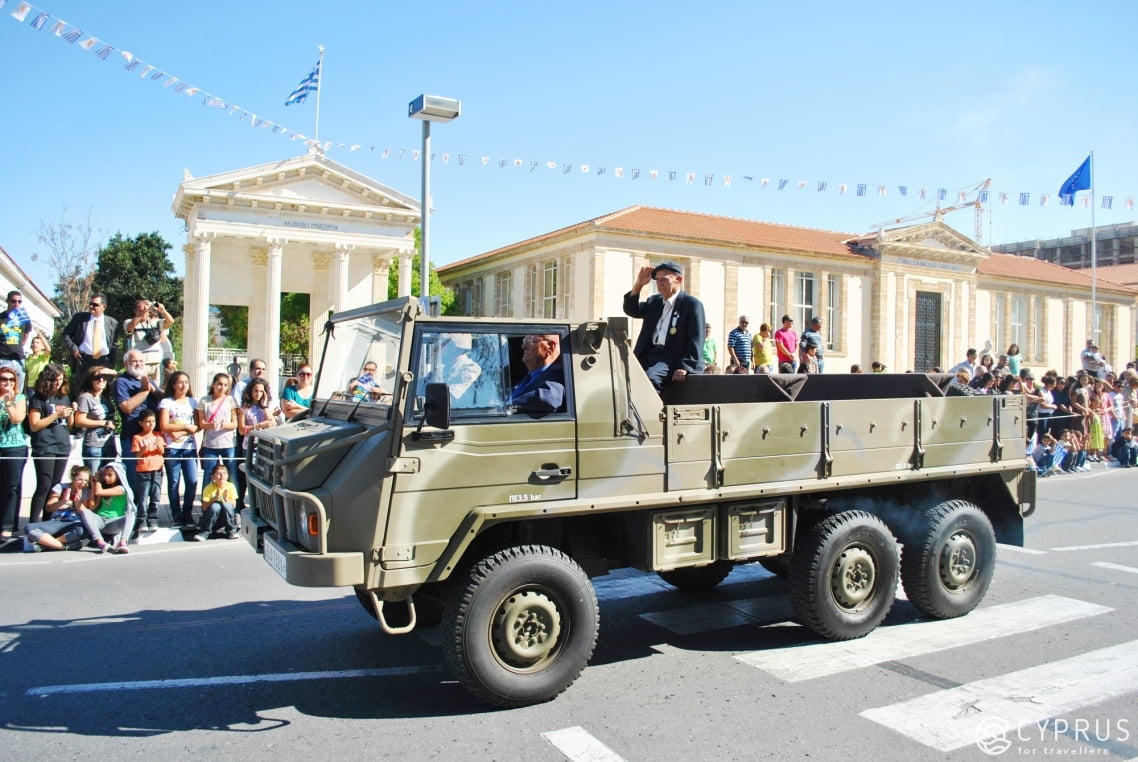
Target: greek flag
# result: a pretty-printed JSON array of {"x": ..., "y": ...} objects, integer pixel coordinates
[{"x": 309, "y": 84}]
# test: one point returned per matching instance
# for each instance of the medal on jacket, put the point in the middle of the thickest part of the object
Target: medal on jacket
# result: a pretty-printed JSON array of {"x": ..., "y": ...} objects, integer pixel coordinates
[{"x": 675, "y": 317}]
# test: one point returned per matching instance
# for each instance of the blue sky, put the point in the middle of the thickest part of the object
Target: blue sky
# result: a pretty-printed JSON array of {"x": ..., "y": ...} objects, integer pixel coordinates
[{"x": 880, "y": 93}]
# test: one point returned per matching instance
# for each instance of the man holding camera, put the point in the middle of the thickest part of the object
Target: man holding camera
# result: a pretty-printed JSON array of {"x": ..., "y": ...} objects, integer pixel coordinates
[{"x": 145, "y": 331}]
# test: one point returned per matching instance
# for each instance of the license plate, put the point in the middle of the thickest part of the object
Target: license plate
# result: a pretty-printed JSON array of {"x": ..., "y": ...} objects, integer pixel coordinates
[{"x": 276, "y": 558}]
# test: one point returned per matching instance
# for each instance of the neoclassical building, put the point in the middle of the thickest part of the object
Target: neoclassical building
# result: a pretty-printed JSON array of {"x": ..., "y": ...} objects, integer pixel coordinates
[
  {"x": 912, "y": 297},
  {"x": 306, "y": 224}
]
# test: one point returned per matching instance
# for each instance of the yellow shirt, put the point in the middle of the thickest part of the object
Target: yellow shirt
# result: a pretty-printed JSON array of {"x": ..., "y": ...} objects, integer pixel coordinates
[
  {"x": 212, "y": 493},
  {"x": 763, "y": 352}
]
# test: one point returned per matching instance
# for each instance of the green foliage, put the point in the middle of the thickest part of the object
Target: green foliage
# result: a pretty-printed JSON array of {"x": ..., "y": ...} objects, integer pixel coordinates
[
  {"x": 446, "y": 295},
  {"x": 235, "y": 325},
  {"x": 295, "y": 324},
  {"x": 128, "y": 269}
]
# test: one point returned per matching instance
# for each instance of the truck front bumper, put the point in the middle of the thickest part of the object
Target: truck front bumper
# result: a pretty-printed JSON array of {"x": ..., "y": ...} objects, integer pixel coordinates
[{"x": 297, "y": 566}]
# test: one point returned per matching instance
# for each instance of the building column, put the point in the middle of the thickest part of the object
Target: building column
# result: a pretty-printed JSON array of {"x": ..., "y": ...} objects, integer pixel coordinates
[
  {"x": 404, "y": 275},
  {"x": 271, "y": 348},
  {"x": 319, "y": 302},
  {"x": 380, "y": 273},
  {"x": 197, "y": 327},
  {"x": 339, "y": 283}
]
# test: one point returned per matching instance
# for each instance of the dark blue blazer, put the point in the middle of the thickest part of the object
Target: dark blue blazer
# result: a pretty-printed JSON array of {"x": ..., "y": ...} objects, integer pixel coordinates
[
  {"x": 683, "y": 348},
  {"x": 544, "y": 393}
]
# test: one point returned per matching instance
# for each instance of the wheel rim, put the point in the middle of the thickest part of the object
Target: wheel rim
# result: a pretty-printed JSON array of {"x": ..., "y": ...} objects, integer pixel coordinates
[
  {"x": 958, "y": 561},
  {"x": 526, "y": 630},
  {"x": 854, "y": 578}
]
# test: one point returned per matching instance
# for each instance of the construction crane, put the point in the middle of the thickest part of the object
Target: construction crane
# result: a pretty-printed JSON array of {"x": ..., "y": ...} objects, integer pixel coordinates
[{"x": 939, "y": 212}]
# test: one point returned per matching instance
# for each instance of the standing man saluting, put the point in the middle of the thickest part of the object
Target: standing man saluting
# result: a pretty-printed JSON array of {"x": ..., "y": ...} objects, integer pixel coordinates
[
  {"x": 670, "y": 343},
  {"x": 91, "y": 338}
]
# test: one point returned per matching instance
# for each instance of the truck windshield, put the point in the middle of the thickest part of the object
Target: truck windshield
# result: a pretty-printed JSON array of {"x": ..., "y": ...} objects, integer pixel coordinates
[{"x": 361, "y": 355}]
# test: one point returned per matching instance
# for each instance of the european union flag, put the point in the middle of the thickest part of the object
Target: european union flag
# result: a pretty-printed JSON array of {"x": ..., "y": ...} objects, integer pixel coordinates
[{"x": 1081, "y": 180}]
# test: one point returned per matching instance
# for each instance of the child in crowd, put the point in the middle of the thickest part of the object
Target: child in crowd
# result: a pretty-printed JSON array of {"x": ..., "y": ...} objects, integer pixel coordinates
[
  {"x": 1125, "y": 448},
  {"x": 810, "y": 365},
  {"x": 148, "y": 447},
  {"x": 218, "y": 500},
  {"x": 113, "y": 512},
  {"x": 63, "y": 530}
]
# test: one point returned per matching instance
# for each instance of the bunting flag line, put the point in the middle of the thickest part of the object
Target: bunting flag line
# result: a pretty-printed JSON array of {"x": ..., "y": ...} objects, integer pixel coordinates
[{"x": 39, "y": 19}]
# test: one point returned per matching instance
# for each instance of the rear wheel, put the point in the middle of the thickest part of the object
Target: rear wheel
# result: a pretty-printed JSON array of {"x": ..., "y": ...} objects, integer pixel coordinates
[
  {"x": 521, "y": 626},
  {"x": 947, "y": 567},
  {"x": 844, "y": 575},
  {"x": 696, "y": 578}
]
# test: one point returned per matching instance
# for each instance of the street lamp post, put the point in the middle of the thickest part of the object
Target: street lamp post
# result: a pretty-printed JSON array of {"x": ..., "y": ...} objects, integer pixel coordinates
[{"x": 429, "y": 108}]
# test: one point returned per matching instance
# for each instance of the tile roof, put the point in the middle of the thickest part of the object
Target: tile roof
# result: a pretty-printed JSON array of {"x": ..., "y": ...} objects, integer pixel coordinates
[
  {"x": 693, "y": 226},
  {"x": 1124, "y": 274},
  {"x": 1029, "y": 268}
]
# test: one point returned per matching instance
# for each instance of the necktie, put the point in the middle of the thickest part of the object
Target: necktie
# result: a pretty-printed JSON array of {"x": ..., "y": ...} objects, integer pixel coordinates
[{"x": 98, "y": 344}]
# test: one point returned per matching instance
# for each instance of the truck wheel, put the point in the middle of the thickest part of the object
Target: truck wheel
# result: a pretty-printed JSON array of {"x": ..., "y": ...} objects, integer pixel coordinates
[
  {"x": 521, "y": 626},
  {"x": 696, "y": 578},
  {"x": 428, "y": 609},
  {"x": 844, "y": 575},
  {"x": 947, "y": 568}
]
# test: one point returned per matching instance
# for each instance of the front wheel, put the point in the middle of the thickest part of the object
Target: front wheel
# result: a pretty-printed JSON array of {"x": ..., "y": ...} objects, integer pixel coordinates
[
  {"x": 844, "y": 575},
  {"x": 521, "y": 626},
  {"x": 947, "y": 567}
]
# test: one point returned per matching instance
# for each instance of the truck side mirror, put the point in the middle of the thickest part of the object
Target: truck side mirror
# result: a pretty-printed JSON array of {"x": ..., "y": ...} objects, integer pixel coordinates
[{"x": 436, "y": 408}]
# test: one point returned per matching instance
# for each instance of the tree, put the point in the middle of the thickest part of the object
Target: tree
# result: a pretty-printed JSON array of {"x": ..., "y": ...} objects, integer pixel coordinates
[
  {"x": 296, "y": 327},
  {"x": 446, "y": 295},
  {"x": 71, "y": 255},
  {"x": 129, "y": 269},
  {"x": 234, "y": 324}
]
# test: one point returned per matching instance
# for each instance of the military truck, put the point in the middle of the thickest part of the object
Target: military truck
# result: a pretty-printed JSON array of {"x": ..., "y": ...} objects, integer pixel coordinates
[{"x": 441, "y": 502}]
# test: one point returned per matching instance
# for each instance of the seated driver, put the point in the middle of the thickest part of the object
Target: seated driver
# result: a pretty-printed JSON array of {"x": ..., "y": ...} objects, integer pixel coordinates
[{"x": 542, "y": 390}]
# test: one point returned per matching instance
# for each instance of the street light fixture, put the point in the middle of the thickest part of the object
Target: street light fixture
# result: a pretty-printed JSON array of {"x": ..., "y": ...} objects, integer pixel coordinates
[{"x": 429, "y": 108}]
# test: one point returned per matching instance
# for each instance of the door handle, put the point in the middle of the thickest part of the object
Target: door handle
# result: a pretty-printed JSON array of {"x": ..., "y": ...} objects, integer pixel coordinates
[{"x": 552, "y": 473}]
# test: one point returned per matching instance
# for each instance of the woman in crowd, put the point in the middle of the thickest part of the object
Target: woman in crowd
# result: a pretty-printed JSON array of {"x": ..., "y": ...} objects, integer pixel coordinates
[
  {"x": 64, "y": 528},
  {"x": 987, "y": 362},
  {"x": 257, "y": 411},
  {"x": 984, "y": 382},
  {"x": 217, "y": 419},
  {"x": 1080, "y": 404},
  {"x": 1013, "y": 359},
  {"x": 1011, "y": 384},
  {"x": 298, "y": 397},
  {"x": 178, "y": 425},
  {"x": 113, "y": 513},
  {"x": 1096, "y": 432},
  {"x": 13, "y": 450},
  {"x": 35, "y": 362},
  {"x": 49, "y": 421},
  {"x": 94, "y": 420}
]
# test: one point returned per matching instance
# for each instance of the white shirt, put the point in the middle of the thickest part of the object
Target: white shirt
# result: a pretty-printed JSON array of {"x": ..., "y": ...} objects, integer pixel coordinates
[
  {"x": 661, "y": 333},
  {"x": 94, "y": 324}
]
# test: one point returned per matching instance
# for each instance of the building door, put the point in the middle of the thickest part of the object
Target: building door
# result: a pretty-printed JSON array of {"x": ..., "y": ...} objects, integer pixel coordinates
[{"x": 927, "y": 338}]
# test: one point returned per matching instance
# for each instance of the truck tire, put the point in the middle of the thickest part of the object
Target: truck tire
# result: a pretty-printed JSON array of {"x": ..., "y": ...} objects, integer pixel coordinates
[
  {"x": 697, "y": 578},
  {"x": 844, "y": 575},
  {"x": 428, "y": 609},
  {"x": 520, "y": 626},
  {"x": 948, "y": 566}
]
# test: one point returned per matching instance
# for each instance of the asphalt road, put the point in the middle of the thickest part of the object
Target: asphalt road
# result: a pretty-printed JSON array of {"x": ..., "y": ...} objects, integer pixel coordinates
[{"x": 200, "y": 650}]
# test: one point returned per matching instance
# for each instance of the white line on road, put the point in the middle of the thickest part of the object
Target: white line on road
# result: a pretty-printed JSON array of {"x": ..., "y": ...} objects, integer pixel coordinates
[
  {"x": 1115, "y": 567},
  {"x": 194, "y": 682},
  {"x": 1097, "y": 547},
  {"x": 1018, "y": 549},
  {"x": 578, "y": 746},
  {"x": 953, "y": 718},
  {"x": 907, "y": 640}
]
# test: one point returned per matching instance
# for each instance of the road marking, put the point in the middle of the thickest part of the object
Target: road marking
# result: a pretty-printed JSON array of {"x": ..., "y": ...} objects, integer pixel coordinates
[
  {"x": 903, "y": 641},
  {"x": 1018, "y": 549},
  {"x": 195, "y": 682},
  {"x": 950, "y": 719},
  {"x": 1115, "y": 567},
  {"x": 578, "y": 746},
  {"x": 721, "y": 615},
  {"x": 1097, "y": 547}
]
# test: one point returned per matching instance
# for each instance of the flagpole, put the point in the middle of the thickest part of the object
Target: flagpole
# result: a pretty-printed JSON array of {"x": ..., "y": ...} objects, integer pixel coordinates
[
  {"x": 1094, "y": 258},
  {"x": 319, "y": 78}
]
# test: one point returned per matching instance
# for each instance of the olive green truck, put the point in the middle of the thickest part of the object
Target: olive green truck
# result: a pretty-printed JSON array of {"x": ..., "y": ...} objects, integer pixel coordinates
[{"x": 440, "y": 502}]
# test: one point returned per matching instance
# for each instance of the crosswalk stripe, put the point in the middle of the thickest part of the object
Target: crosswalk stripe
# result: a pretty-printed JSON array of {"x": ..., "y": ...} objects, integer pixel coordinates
[
  {"x": 1018, "y": 549},
  {"x": 902, "y": 641},
  {"x": 578, "y": 746},
  {"x": 1100, "y": 546},
  {"x": 1114, "y": 567},
  {"x": 953, "y": 718}
]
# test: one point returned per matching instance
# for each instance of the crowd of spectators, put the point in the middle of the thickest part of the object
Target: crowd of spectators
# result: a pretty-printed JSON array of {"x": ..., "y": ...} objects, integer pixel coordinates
[{"x": 138, "y": 424}]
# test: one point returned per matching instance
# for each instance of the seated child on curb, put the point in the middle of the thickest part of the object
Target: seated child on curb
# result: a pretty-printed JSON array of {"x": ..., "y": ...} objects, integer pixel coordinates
[
  {"x": 148, "y": 449},
  {"x": 63, "y": 530},
  {"x": 113, "y": 513},
  {"x": 218, "y": 501}
]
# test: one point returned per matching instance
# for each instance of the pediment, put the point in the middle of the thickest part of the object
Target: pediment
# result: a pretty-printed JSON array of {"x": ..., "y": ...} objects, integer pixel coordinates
[
  {"x": 312, "y": 181},
  {"x": 932, "y": 239}
]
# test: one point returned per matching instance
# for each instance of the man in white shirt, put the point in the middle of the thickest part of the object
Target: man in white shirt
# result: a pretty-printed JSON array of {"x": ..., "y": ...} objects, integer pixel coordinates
[
  {"x": 968, "y": 365},
  {"x": 92, "y": 338}
]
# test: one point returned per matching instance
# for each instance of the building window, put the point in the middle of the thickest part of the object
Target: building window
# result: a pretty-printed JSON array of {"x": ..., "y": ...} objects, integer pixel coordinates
[
  {"x": 805, "y": 292},
  {"x": 1125, "y": 251},
  {"x": 566, "y": 287},
  {"x": 833, "y": 310},
  {"x": 998, "y": 323},
  {"x": 549, "y": 289},
  {"x": 1017, "y": 321},
  {"x": 504, "y": 291},
  {"x": 533, "y": 290},
  {"x": 1038, "y": 321},
  {"x": 778, "y": 297},
  {"x": 470, "y": 297}
]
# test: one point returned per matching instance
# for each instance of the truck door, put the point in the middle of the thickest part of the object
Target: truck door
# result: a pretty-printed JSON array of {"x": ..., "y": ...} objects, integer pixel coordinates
[{"x": 500, "y": 448}]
